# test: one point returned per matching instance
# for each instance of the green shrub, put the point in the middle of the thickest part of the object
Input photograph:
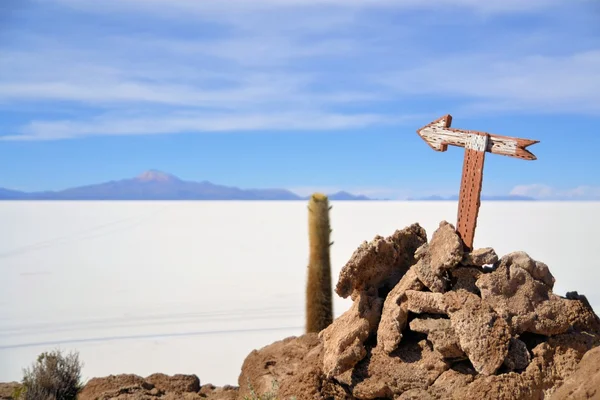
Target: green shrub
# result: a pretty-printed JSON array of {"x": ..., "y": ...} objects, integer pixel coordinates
[{"x": 52, "y": 377}]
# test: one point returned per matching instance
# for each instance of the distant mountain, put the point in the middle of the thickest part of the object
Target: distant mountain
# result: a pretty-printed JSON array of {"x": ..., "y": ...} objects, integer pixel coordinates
[
  {"x": 483, "y": 197},
  {"x": 346, "y": 196},
  {"x": 11, "y": 194},
  {"x": 157, "y": 185}
]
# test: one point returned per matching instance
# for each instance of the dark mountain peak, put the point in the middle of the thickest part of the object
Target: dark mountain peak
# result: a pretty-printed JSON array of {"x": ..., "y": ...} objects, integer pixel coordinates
[{"x": 153, "y": 175}]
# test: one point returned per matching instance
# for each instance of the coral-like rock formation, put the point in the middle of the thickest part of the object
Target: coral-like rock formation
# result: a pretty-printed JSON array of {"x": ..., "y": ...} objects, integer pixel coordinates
[
  {"x": 432, "y": 322},
  {"x": 380, "y": 263}
]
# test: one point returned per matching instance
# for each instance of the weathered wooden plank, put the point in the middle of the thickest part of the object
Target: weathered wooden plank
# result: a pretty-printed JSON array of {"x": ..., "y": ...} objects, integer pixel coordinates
[
  {"x": 470, "y": 191},
  {"x": 439, "y": 136}
]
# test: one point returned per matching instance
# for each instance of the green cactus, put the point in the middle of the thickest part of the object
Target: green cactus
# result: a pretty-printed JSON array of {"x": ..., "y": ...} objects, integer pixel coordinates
[{"x": 319, "y": 306}]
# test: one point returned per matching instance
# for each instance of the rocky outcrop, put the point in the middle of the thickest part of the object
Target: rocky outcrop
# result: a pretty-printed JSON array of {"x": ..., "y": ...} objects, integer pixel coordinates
[
  {"x": 380, "y": 263},
  {"x": 427, "y": 321},
  {"x": 584, "y": 384},
  {"x": 8, "y": 390},
  {"x": 156, "y": 386},
  {"x": 432, "y": 322}
]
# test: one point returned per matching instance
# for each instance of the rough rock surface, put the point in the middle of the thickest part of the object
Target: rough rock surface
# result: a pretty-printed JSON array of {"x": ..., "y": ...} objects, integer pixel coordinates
[
  {"x": 427, "y": 322},
  {"x": 518, "y": 357},
  {"x": 394, "y": 315},
  {"x": 293, "y": 358},
  {"x": 584, "y": 384},
  {"x": 439, "y": 327},
  {"x": 156, "y": 386},
  {"x": 480, "y": 257},
  {"x": 443, "y": 253},
  {"x": 344, "y": 339},
  {"x": 440, "y": 333},
  {"x": 482, "y": 334},
  {"x": 7, "y": 390},
  {"x": 380, "y": 263}
]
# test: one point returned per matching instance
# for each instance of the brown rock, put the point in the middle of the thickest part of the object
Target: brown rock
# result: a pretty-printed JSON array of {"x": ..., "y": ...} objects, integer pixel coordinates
[
  {"x": 441, "y": 335},
  {"x": 465, "y": 278},
  {"x": 559, "y": 315},
  {"x": 449, "y": 382},
  {"x": 447, "y": 344},
  {"x": 445, "y": 248},
  {"x": 512, "y": 292},
  {"x": 222, "y": 393},
  {"x": 425, "y": 302},
  {"x": 343, "y": 340},
  {"x": 175, "y": 384},
  {"x": 444, "y": 252},
  {"x": 428, "y": 325},
  {"x": 518, "y": 357},
  {"x": 268, "y": 367},
  {"x": 7, "y": 390},
  {"x": 584, "y": 383},
  {"x": 113, "y": 386},
  {"x": 480, "y": 257},
  {"x": 433, "y": 279},
  {"x": 413, "y": 366},
  {"x": 482, "y": 334},
  {"x": 415, "y": 394},
  {"x": 538, "y": 270},
  {"x": 307, "y": 382},
  {"x": 395, "y": 312},
  {"x": 380, "y": 263}
]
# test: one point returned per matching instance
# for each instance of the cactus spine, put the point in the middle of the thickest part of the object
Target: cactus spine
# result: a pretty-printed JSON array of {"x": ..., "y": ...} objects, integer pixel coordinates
[{"x": 319, "y": 306}]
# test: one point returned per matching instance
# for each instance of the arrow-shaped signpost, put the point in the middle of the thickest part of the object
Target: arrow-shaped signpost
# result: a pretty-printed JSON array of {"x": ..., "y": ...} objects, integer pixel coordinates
[{"x": 439, "y": 136}]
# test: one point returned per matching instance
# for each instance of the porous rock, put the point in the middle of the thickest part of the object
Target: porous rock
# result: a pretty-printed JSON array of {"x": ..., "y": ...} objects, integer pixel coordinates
[
  {"x": 440, "y": 333},
  {"x": 446, "y": 247},
  {"x": 394, "y": 315},
  {"x": 465, "y": 278},
  {"x": 434, "y": 280},
  {"x": 113, "y": 386},
  {"x": 273, "y": 364},
  {"x": 584, "y": 383},
  {"x": 538, "y": 270},
  {"x": 518, "y": 357},
  {"x": 380, "y": 263},
  {"x": 512, "y": 292},
  {"x": 344, "y": 339},
  {"x": 414, "y": 365},
  {"x": 482, "y": 334},
  {"x": 558, "y": 315},
  {"x": 480, "y": 257},
  {"x": 443, "y": 253},
  {"x": 425, "y": 302},
  {"x": 175, "y": 384}
]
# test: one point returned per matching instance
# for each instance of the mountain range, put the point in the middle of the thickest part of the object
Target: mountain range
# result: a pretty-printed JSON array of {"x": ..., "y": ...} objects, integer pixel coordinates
[
  {"x": 157, "y": 185},
  {"x": 510, "y": 197}
]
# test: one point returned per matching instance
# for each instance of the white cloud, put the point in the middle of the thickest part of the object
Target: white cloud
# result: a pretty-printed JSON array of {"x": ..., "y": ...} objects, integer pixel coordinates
[
  {"x": 206, "y": 122},
  {"x": 532, "y": 83},
  {"x": 202, "y": 7},
  {"x": 546, "y": 192},
  {"x": 274, "y": 63}
]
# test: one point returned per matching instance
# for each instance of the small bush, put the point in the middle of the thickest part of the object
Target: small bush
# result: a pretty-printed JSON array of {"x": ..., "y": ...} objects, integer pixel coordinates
[{"x": 52, "y": 377}]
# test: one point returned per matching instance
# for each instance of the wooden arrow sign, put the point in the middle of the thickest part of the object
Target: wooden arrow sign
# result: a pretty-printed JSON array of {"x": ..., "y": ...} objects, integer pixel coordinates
[{"x": 439, "y": 136}]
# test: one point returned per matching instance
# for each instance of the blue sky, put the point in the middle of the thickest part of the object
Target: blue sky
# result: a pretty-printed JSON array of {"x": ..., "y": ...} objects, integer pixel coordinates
[{"x": 302, "y": 94}]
